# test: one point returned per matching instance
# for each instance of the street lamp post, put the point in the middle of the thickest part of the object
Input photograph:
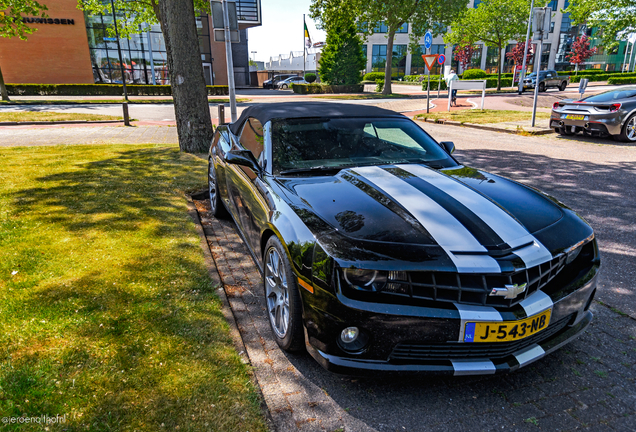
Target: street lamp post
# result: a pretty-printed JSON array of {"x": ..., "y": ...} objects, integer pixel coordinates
[
  {"x": 525, "y": 51},
  {"x": 539, "y": 19},
  {"x": 121, "y": 66}
]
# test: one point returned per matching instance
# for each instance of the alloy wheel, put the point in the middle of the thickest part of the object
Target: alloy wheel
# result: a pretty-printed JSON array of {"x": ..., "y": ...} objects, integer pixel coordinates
[
  {"x": 630, "y": 129},
  {"x": 276, "y": 293}
]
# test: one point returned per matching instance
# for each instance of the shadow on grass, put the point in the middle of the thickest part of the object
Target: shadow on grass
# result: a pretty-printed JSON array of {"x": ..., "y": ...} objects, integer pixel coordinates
[{"x": 125, "y": 332}]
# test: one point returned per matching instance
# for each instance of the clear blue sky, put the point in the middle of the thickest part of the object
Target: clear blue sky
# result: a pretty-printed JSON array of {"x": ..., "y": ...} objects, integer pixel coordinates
[{"x": 282, "y": 29}]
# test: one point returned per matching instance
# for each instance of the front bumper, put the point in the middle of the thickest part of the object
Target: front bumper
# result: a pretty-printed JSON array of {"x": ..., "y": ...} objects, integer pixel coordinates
[
  {"x": 603, "y": 123},
  {"x": 412, "y": 339}
]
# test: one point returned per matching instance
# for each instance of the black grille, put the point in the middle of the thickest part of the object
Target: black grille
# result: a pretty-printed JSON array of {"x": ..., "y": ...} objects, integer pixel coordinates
[
  {"x": 468, "y": 288},
  {"x": 457, "y": 350}
]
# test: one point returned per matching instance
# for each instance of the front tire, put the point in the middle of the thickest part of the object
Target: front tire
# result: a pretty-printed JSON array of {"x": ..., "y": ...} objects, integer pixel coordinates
[
  {"x": 541, "y": 87},
  {"x": 282, "y": 298},
  {"x": 216, "y": 205},
  {"x": 284, "y": 87},
  {"x": 628, "y": 134}
]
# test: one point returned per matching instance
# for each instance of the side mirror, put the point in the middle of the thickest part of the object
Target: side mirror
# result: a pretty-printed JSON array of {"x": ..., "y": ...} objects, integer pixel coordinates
[
  {"x": 244, "y": 158},
  {"x": 449, "y": 146}
]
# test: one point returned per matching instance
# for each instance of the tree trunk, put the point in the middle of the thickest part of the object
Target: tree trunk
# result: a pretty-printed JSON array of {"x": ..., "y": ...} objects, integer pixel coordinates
[
  {"x": 3, "y": 88},
  {"x": 192, "y": 112},
  {"x": 499, "y": 68},
  {"x": 388, "y": 69}
]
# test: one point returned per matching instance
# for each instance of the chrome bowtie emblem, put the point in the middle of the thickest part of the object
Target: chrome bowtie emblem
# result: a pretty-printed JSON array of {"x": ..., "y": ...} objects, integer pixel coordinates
[{"x": 510, "y": 291}]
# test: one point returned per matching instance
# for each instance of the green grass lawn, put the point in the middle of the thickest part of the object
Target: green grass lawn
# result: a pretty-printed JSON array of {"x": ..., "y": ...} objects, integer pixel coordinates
[
  {"x": 107, "y": 313},
  {"x": 30, "y": 116},
  {"x": 483, "y": 116}
]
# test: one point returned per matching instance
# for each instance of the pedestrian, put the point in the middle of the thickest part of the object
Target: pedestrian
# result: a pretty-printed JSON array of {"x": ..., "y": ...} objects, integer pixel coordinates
[{"x": 452, "y": 76}]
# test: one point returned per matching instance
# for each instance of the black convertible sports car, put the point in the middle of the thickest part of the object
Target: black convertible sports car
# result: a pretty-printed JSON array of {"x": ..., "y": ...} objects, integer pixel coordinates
[{"x": 379, "y": 251}]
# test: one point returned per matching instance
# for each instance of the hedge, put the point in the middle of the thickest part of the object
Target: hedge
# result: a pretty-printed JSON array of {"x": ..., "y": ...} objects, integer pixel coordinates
[
  {"x": 616, "y": 80},
  {"x": 474, "y": 74},
  {"x": 99, "y": 90},
  {"x": 600, "y": 77},
  {"x": 325, "y": 88},
  {"x": 372, "y": 76}
]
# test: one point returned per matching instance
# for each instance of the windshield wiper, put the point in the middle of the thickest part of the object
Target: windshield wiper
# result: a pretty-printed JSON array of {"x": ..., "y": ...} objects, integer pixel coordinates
[{"x": 310, "y": 169}]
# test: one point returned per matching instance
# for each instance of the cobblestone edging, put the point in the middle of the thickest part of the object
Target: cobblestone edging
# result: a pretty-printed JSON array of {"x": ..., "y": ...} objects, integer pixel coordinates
[
  {"x": 588, "y": 385},
  {"x": 519, "y": 131}
]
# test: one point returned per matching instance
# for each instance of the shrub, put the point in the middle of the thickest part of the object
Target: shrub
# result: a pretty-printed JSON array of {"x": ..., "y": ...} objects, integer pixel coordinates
[
  {"x": 310, "y": 77},
  {"x": 379, "y": 85},
  {"x": 615, "y": 80},
  {"x": 325, "y": 88},
  {"x": 99, "y": 90},
  {"x": 372, "y": 76},
  {"x": 599, "y": 77},
  {"x": 472, "y": 74}
]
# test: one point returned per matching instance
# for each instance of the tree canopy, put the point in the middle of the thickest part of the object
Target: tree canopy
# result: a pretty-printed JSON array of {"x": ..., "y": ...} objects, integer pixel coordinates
[
  {"x": 493, "y": 22},
  {"x": 12, "y": 24},
  {"x": 342, "y": 58},
  {"x": 615, "y": 18},
  {"x": 421, "y": 15}
]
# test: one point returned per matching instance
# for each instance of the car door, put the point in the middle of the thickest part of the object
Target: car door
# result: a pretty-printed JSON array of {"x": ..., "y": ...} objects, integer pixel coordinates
[{"x": 249, "y": 206}]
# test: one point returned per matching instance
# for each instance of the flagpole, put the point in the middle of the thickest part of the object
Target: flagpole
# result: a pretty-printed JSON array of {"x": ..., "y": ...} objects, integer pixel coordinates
[{"x": 304, "y": 47}]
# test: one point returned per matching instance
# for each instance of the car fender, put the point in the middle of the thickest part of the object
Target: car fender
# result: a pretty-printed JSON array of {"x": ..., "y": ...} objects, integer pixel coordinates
[{"x": 628, "y": 115}]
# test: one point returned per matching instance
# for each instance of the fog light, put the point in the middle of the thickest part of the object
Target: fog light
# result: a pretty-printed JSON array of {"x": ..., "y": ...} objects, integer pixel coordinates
[{"x": 349, "y": 335}]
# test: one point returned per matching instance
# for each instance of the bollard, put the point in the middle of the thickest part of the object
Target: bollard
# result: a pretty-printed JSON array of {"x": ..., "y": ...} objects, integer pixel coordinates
[
  {"x": 124, "y": 106},
  {"x": 221, "y": 114}
]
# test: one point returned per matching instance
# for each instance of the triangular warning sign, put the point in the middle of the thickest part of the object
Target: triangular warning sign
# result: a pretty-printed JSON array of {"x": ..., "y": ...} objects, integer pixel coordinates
[{"x": 430, "y": 59}]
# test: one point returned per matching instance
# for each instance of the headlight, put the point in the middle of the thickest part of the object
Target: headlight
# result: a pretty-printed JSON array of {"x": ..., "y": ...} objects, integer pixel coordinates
[{"x": 365, "y": 280}]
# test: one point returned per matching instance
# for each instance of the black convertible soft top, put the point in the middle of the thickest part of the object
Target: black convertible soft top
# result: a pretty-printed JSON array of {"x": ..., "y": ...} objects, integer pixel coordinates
[{"x": 268, "y": 111}]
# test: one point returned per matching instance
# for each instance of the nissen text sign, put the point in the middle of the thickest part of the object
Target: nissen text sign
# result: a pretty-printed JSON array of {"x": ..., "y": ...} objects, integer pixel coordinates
[{"x": 33, "y": 20}]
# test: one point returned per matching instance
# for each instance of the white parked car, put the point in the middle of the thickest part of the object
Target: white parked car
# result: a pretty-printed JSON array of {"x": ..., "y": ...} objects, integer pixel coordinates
[{"x": 285, "y": 84}]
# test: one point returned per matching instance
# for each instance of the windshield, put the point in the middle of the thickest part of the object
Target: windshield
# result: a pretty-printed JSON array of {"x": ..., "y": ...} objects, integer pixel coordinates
[
  {"x": 323, "y": 143},
  {"x": 534, "y": 74},
  {"x": 613, "y": 95}
]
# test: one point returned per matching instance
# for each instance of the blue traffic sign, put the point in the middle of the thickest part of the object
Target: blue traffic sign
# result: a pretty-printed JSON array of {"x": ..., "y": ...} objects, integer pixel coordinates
[
  {"x": 428, "y": 40},
  {"x": 441, "y": 59}
]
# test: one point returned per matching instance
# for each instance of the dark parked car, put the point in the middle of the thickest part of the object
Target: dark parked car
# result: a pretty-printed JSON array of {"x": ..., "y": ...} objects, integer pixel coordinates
[
  {"x": 380, "y": 251},
  {"x": 547, "y": 79},
  {"x": 610, "y": 113},
  {"x": 273, "y": 82}
]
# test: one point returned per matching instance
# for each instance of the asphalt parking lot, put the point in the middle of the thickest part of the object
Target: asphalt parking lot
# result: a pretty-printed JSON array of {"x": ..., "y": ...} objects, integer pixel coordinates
[{"x": 588, "y": 385}]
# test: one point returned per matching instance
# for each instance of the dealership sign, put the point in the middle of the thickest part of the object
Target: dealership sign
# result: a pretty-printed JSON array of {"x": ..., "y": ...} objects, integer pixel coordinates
[{"x": 34, "y": 20}]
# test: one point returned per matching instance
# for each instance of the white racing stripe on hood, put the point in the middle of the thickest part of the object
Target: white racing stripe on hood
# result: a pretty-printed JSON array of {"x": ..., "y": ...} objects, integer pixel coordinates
[
  {"x": 502, "y": 223},
  {"x": 447, "y": 231}
]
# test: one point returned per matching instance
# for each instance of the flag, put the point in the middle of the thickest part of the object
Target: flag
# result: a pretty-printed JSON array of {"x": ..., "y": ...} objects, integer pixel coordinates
[{"x": 307, "y": 38}]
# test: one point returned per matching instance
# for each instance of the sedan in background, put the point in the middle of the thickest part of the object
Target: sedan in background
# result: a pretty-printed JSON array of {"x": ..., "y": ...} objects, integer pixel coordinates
[
  {"x": 283, "y": 85},
  {"x": 612, "y": 113},
  {"x": 273, "y": 82},
  {"x": 381, "y": 252}
]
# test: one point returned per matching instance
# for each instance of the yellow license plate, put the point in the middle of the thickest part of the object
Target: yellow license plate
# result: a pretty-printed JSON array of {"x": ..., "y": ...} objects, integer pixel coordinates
[
  {"x": 574, "y": 117},
  {"x": 506, "y": 331}
]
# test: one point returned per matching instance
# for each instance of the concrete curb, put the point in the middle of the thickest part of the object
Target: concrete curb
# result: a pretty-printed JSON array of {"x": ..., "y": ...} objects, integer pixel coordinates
[
  {"x": 39, "y": 123},
  {"x": 488, "y": 128},
  {"x": 235, "y": 334}
]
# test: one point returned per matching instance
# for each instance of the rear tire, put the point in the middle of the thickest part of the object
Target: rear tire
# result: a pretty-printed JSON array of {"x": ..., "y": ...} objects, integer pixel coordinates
[
  {"x": 563, "y": 86},
  {"x": 628, "y": 134},
  {"x": 282, "y": 298},
  {"x": 284, "y": 87},
  {"x": 216, "y": 204}
]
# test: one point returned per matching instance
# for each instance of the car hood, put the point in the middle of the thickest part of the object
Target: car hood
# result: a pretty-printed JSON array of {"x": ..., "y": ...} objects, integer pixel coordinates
[{"x": 461, "y": 209}]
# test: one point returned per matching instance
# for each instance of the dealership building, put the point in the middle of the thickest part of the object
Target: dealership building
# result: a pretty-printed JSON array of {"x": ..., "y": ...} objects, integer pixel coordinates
[
  {"x": 71, "y": 47},
  {"x": 553, "y": 56}
]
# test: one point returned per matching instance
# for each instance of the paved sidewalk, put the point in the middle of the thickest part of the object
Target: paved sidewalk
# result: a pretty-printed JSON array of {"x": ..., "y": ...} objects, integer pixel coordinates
[{"x": 86, "y": 134}]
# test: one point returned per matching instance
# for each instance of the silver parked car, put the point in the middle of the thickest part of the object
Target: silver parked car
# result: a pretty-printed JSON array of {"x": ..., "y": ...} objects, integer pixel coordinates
[
  {"x": 610, "y": 113},
  {"x": 285, "y": 84}
]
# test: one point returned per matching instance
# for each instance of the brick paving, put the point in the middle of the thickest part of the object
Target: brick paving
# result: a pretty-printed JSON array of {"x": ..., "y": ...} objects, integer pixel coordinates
[{"x": 588, "y": 385}]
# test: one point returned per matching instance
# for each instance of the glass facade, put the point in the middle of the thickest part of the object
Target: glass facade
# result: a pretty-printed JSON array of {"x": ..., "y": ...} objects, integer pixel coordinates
[
  {"x": 382, "y": 28},
  {"x": 143, "y": 55},
  {"x": 417, "y": 62},
  {"x": 492, "y": 55},
  {"x": 398, "y": 64}
]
